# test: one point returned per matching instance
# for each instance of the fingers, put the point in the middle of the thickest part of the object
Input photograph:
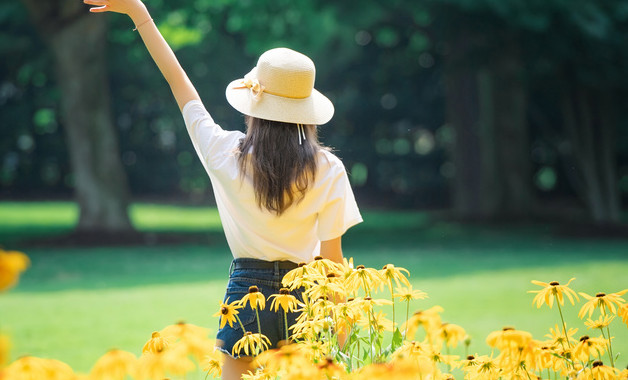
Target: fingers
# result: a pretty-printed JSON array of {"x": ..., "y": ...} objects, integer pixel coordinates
[
  {"x": 102, "y": 5},
  {"x": 104, "y": 8}
]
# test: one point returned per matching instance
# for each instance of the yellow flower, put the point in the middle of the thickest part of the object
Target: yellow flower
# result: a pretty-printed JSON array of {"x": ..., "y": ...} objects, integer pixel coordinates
[
  {"x": 391, "y": 273},
  {"x": 623, "y": 313},
  {"x": 212, "y": 363},
  {"x": 367, "y": 303},
  {"x": 114, "y": 365},
  {"x": 323, "y": 266},
  {"x": 325, "y": 288},
  {"x": 182, "y": 330},
  {"x": 557, "y": 336},
  {"x": 171, "y": 359},
  {"x": 551, "y": 291},
  {"x": 156, "y": 343},
  {"x": 316, "y": 350},
  {"x": 623, "y": 375},
  {"x": 12, "y": 264},
  {"x": 428, "y": 319},
  {"x": 291, "y": 359},
  {"x": 452, "y": 334},
  {"x": 480, "y": 368},
  {"x": 331, "y": 370},
  {"x": 228, "y": 312},
  {"x": 29, "y": 367},
  {"x": 254, "y": 298},
  {"x": 589, "y": 346},
  {"x": 365, "y": 278},
  {"x": 296, "y": 277},
  {"x": 250, "y": 343},
  {"x": 378, "y": 322},
  {"x": 508, "y": 338},
  {"x": 287, "y": 301},
  {"x": 598, "y": 371},
  {"x": 606, "y": 303},
  {"x": 193, "y": 338},
  {"x": 601, "y": 322},
  {"x": 309, "y": 328},
  {"x": 407, "y": 294},
  {"x": 346, "y": 314}
]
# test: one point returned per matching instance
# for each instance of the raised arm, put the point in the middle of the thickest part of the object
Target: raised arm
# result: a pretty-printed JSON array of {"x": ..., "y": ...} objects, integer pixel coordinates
[{"x": 162, "y": 54}]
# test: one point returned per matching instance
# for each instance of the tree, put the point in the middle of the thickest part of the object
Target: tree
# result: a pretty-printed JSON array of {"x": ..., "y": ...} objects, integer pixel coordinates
[{"x": 78, "y": 44}]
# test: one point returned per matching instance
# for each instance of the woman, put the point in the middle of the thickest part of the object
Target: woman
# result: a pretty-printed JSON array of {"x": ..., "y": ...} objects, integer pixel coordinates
[{"x": 282, "y": 198}]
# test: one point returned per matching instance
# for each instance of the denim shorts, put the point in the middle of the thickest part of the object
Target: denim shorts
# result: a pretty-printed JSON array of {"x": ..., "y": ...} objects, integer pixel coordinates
[{"x": 268, "y": 280}]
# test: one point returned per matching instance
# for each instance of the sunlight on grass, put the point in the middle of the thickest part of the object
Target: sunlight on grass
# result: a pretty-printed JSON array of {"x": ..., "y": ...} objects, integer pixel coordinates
[
  {"x": 156, "y": 217},
  {"x": 78, "y": 326}
]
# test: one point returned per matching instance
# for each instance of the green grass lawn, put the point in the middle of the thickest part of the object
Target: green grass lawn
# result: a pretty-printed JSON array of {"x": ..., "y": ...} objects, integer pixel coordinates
[{"x": 73, "y": 304}]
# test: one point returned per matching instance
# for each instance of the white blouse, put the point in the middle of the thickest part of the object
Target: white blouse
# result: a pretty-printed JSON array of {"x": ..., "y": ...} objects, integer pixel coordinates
[{"x": 326, "y": 212}]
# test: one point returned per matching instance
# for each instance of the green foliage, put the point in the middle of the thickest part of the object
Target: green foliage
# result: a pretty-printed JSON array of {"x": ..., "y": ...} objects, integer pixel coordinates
[{"x": 381, "y": 63}]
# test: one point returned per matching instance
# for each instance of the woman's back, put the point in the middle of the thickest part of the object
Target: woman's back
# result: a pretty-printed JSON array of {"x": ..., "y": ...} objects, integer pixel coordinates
[{"x": 325, "y": 212}]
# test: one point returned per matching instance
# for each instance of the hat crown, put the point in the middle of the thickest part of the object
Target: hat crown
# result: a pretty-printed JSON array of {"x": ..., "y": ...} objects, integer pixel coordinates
[{"x": 287, "y": 73}]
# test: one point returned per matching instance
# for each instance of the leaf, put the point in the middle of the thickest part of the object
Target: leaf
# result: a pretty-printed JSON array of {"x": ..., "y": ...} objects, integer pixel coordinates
[{"x": 397, "y": 340}]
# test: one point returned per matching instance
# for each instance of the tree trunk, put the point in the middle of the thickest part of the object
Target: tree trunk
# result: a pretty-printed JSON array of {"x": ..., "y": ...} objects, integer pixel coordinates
[
  {"x": 509, "y": 140},
  {"x": 461, "y": 90},
  {"x": 78, "y": 43},
  {"x": 590, "y": 127},
  {"x": 487, "y": 108}
]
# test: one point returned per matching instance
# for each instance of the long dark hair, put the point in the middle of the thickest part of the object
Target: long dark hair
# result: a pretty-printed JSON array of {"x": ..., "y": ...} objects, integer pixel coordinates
[{"x": 282, "y": 169}]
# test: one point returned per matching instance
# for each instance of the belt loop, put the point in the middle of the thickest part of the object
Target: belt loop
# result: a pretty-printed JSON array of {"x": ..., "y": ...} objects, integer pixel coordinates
[
  {"x": 276, "y": 266},
  {"x": 231, "y": 267}
]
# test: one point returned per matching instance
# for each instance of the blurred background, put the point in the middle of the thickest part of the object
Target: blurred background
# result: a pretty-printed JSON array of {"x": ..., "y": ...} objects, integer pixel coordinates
[
  {"x": 493, "y": 110},
  {"x": 486, "y": 142}
]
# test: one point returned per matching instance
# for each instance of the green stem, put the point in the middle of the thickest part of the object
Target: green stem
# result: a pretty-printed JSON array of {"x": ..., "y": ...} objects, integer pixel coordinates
[
  {"x": 405, "y": 334},
  {"x": 366, "y": 288},
  {"x": 241, "y": 325},
  {"x": 564, "y": 325},
  {"x": 370, "y": 337},
  {"x": 392, "y": 298},
  {"x": 610, "y": 348},
  {"x": 259, "y": 330},
  {"x": 285, "y": 323}
]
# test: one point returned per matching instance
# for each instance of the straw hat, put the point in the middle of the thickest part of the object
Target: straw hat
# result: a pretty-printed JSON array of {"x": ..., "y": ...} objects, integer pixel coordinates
[{"x": 281, "y": 88}]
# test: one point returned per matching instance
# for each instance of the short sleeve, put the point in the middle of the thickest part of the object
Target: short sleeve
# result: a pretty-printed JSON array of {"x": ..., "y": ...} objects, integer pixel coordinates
[
  {"x": 211, "y": 142},
  {"x": 340, "y": 211}
]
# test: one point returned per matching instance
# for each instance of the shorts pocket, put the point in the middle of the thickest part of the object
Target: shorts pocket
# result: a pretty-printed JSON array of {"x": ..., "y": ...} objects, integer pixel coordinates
[{"x": 235, "y": 291}]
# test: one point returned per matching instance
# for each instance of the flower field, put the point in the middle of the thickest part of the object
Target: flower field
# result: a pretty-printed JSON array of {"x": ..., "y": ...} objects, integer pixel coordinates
[{"x": 74, "y": 301}]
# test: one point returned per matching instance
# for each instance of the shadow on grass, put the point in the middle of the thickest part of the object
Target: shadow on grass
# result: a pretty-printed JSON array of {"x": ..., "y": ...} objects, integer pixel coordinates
[
  {"x": 435, "y": 251},
  {"x": 178, "y": 245}
]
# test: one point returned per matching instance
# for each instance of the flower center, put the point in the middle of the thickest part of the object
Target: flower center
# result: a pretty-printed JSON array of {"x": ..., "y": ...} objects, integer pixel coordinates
[
  {"x": 318, "y": 258},
  {"x": 301, "y": 265},
  {"x": 584, "y": 338},
  {"x": 470, "y": 357},
  {"x": 597, "y": 363},
  {"x": 360, "y": 267},
  {"x": 554, "y": 283},
  {"x": 508, "y": 328},
  {"x": 224, "y": 310},
  {"x": 155, "y": 335},
  {"x": 599, "y": 295},
  {"x": 331, "y": 275},
  {"x": 284, "y": 291},
  {"x": 253, "y": 289},
  {"x": 367, "y": 298}
]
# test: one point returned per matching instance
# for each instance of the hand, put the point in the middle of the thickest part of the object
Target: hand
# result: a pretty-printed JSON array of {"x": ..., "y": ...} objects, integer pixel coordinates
[{"x": 129, "y": 7}]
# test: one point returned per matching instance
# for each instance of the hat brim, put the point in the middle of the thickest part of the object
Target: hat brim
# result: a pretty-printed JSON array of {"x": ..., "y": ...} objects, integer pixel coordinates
[{"x": 316, "y": 109}]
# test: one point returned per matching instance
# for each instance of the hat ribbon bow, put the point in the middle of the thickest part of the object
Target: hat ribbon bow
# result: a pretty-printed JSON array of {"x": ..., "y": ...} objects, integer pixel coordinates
[{"x": 253, "y": 84}]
